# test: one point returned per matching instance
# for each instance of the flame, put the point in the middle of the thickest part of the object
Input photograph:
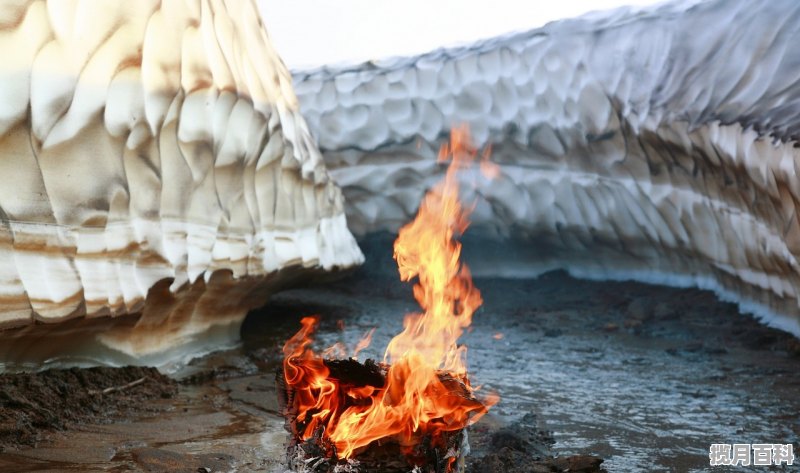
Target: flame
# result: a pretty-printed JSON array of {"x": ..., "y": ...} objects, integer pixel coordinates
[
  {"x": 426, "y": 389},
  {"x": 363, "y": 343}
]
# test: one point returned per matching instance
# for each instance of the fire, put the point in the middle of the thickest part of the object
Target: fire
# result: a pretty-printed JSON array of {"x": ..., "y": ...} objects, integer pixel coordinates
[{"x": 426, "y": 389}]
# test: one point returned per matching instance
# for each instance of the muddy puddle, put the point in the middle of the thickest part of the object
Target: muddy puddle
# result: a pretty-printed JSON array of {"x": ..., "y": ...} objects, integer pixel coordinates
[{"x": 645, "y": 377}]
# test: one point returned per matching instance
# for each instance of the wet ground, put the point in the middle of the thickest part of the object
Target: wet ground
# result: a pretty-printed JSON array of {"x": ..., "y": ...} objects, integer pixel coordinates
[{"x": 645, "y": 377}]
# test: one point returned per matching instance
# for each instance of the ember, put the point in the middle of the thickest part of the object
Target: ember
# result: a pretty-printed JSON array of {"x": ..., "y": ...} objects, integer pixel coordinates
[{"x": 419, "y": 399}]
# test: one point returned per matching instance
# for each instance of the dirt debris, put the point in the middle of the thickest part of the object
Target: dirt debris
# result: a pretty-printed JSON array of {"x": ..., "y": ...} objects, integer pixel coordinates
[{"x": 33, "y": 404}]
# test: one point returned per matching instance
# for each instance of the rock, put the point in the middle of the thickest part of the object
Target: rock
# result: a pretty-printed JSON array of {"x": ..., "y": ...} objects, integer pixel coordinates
[
  {"x": 578, "y": 464},
  {"x": 520, "y": 447},
  {"x": 507, "y": 460},
  {"x": 157, "y": 460}
]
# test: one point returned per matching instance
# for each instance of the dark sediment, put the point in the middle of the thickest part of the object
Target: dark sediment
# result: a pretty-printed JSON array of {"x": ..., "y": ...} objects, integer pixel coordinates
[
  {"x": 33, "y": 404},
  {"x": 522, "y": 447}
]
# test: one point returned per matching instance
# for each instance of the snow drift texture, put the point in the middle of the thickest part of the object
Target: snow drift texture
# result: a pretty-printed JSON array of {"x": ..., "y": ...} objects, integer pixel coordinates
[
  {"x": 153, "y": 160},
  {"x": 656, "y": 144}
]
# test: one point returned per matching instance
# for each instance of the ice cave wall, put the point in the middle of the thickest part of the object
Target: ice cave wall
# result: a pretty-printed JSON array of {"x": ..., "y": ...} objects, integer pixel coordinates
[
  {"x": 658, "y": 144},
  {"x": 153, "y": 160}
]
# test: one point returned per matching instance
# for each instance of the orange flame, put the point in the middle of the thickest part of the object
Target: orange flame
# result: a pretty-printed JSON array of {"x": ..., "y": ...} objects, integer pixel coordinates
[
  {"x": 363, "y": 343},
  {"x": 416, "y": 398}
]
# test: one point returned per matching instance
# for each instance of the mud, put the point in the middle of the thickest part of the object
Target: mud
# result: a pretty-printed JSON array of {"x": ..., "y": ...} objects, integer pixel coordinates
[{"x": 33, "y": 405}]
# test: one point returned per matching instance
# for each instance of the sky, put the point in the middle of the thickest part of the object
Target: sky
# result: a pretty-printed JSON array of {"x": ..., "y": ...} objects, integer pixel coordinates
[{"x": 310, "y": 33}]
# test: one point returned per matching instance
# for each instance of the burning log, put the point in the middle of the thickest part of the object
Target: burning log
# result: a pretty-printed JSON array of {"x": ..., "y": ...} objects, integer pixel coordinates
[
  {"x": 410, "y": 411},
  {"x": 428, "y": 452}
]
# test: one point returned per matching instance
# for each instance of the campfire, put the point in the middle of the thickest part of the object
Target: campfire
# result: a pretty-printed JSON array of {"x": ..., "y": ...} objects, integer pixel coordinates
[{"x": 411, "y": 409}]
